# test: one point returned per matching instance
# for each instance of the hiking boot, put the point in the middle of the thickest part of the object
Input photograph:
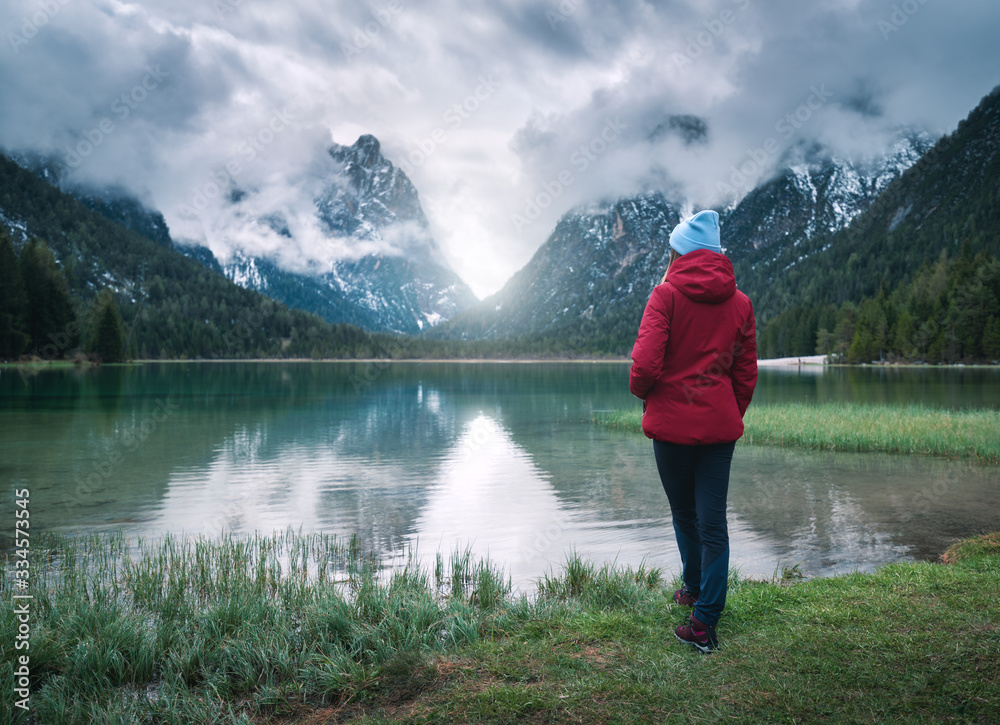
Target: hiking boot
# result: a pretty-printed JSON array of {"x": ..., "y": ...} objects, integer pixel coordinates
[
  {"x": 698, "y": 634},
  {"x": 684, "y": 597}
]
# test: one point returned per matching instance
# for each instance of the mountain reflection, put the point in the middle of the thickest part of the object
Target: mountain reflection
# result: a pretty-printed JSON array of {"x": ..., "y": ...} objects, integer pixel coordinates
[
  {"x": 503, "y": 459},
  {"x": 595, "y": 495},
  {"x": 837, "y": 512},
  {"x": 490, "y": 497}
]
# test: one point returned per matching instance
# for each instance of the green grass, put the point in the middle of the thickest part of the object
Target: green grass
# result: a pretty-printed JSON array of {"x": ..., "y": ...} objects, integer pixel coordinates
[
  {"x": 863, "y": 428},
  {"x": 38, "y": 365},
  {"x": 229, "y": 630},
  {"x": 910, "y": 643},
  {"x": 306, "y": 629}
]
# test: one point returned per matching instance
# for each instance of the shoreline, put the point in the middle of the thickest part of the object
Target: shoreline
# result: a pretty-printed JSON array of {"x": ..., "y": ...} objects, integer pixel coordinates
[
  {"x": 408, "y": 360},
  {"x": 811, "y": 360},
  {"x": 380, "y": 360},
  {"x": 786, "y": 362},
  {"x": 910, "y": 430},
  {"x": 332, "y": 640}
]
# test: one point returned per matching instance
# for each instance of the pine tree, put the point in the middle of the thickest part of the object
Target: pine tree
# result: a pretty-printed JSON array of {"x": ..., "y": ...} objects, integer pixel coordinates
[
  {"x": 108, "y": 340},
  {"x": 903, "y": 335},
  {"x": 824, "y": 341},
  {"x": 50, "y": 320},
  {"x": 991, "y": 339},
  {"x": 843, "y": 331},
  {"x": 13, "y": 302},
  {"x": 861, "y": 347}
]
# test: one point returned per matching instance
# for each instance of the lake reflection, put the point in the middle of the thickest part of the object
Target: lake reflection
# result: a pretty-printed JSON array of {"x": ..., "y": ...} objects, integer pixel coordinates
[{"x": 500, "y": 458}]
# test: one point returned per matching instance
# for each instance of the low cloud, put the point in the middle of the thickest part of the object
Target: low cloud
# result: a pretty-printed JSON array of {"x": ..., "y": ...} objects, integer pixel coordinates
[{"x": 587, "y": 101}]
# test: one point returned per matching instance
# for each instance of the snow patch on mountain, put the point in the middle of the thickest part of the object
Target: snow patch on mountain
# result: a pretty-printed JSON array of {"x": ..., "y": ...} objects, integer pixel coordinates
[
  {"x": 244, "y": 271},
  {"x": 814, "y": 193},
  {"x": 17, "y": 227},
  {"x": 383, "y": 261},
  {"x": 600, "y": 262}
]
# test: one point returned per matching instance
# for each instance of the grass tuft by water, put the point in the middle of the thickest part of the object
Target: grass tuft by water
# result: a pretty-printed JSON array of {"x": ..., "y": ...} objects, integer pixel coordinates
[
  {"x": 304, "y": 628},
  {"x": 250, "y": 625},
  {"x": 861, "y": 428},
  {"x": 607, "y": 586},
  {"x": 977, "y": 547}
]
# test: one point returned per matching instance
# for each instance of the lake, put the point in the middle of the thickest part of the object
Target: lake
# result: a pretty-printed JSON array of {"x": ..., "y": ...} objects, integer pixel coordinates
[{"x": 499, "y": 457}]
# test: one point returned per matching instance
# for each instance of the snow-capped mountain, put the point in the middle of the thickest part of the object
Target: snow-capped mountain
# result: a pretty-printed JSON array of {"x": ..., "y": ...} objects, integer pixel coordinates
[
  {"x": 391, "y": 274},
  {"x": 815, "y": 192},
  {"x": 598, "y": 267},
  {"x": 369, "y": 204},
  {"x": 592, "y": 277},
  {"x": 944, "y": 204}
]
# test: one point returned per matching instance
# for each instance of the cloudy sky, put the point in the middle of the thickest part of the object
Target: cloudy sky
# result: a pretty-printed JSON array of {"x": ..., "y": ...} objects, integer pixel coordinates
[{"x": 505, "y": 114}]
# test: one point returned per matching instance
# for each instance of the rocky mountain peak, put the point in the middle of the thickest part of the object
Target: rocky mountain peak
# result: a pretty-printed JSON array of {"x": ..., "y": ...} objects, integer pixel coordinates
[
  {"x": 361, "y": 158},
  {"x": 396, "y": 280},
  {"x": 368, "y": 143},
  {"x": 371, "y": 194},
  {"x": 596, "y": 269},
  {"x": 815, "y": 191}
]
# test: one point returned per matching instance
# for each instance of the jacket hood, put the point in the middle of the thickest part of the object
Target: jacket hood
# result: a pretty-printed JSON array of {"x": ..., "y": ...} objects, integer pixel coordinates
[{"x": 703, "y": 276}]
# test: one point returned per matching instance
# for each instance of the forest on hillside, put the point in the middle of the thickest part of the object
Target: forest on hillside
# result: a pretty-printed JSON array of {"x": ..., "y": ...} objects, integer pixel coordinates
[
  {"x": 164, "y": 317},
  {"x": 913, "y": 279},
  {"x": 68, "y": 272},
  {"x": 948, "y": 313}
]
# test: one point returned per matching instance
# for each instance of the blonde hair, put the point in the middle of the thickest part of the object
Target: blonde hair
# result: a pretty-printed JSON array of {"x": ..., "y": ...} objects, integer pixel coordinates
[{"x": 674, "y": 256}]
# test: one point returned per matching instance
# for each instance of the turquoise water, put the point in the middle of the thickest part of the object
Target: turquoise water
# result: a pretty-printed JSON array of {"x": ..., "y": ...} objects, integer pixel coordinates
[{"x": 502, "y": 458}]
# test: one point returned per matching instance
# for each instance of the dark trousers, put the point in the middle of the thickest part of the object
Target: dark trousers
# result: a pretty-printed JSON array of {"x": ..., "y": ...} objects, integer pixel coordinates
[{"x": 696, "y": 480}]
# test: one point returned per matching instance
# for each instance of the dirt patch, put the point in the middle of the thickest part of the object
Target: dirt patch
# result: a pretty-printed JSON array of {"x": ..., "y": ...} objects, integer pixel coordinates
[
  {"x": 593, "y": 654},
  {"x": 982, "y": 545},
  {"x": 400, "y": 693}
]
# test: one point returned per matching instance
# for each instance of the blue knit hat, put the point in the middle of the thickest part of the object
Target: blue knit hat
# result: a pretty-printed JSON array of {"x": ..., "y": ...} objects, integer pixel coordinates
[{"x": 698, "y": 232}]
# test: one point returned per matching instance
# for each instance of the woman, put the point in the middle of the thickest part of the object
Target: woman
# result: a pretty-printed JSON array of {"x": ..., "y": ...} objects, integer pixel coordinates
[{"x": 694, "y": 365}]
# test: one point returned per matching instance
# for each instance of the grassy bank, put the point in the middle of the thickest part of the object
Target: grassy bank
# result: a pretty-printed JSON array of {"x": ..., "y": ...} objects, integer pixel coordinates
[
  {"x": 863, "y": 428},
  {"x": 303, "y": 629},
  {"x": 39, "y": 365},
  {"x": 229, "y": 630}
]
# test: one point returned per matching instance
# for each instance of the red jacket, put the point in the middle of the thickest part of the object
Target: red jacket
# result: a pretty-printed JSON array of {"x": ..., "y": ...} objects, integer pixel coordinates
[{"x": 694, "y": 363}]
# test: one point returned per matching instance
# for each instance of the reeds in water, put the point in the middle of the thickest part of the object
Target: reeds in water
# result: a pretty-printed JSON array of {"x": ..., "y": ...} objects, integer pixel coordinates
[
  {"x": 224, "y": 629},
  {"x": 862, "y": 428}
]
